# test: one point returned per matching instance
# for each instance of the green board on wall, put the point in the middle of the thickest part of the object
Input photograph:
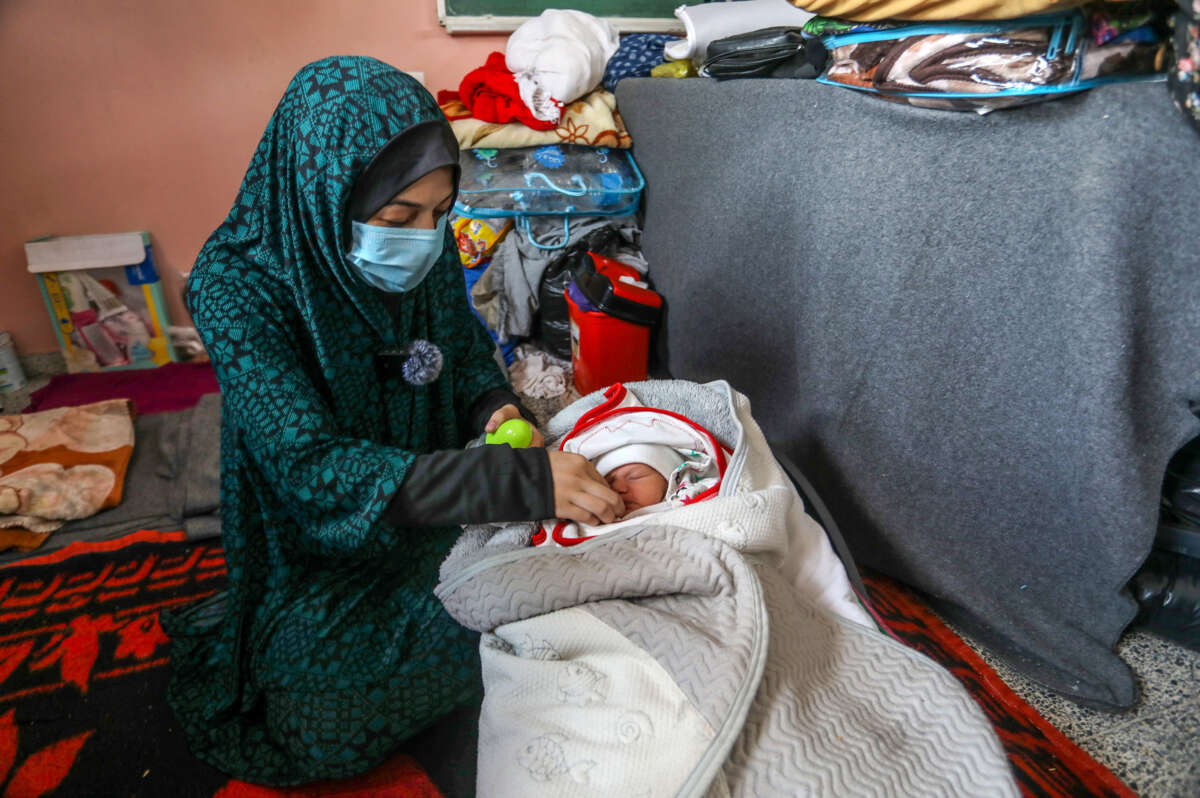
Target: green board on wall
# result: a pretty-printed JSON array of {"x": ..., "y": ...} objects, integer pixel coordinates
[{"x": 629, "y": 16}]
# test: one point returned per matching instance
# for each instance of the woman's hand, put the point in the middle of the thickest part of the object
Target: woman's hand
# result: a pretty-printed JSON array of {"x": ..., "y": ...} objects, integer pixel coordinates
[
  {"x": 504, "y": 414},
  {"x": 580, "y": 493}
]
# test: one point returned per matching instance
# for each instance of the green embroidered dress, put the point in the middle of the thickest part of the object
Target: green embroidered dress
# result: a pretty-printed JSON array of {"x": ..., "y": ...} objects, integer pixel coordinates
[{"x": 328, "y": 648}]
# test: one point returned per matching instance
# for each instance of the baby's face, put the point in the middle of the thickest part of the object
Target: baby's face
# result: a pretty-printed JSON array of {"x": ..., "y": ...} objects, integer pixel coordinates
[{"x": 638, "y": 485}]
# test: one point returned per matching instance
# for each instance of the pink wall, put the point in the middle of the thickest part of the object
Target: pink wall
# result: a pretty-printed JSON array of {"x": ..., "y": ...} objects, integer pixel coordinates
[{"x": 121, "y": 115}]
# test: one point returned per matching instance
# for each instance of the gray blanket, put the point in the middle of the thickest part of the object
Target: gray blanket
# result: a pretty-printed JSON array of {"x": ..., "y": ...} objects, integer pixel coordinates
[
  {"x": 688, "y": 654},
  {"x": 978, "y": 335}
]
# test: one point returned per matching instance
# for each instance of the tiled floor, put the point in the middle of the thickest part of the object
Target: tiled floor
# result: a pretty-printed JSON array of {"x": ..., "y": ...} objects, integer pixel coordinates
[
  {"x": 1155, "y": 747},
  {"x": 38, "y": 369},
  {"x": 15, "y": 401}
]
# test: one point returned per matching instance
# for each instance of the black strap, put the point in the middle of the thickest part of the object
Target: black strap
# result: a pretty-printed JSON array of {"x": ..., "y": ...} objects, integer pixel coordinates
[{"x": 812, "y": 500}]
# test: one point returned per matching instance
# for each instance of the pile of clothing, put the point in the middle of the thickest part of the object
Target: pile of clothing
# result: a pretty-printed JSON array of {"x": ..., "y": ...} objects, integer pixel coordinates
[{"x": 547, "y": 96}]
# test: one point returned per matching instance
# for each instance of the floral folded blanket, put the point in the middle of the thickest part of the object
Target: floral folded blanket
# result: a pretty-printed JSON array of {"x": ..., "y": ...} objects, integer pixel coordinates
[
  {"x": 59, "y": 465},
  {"x": 592, "y": 121}
]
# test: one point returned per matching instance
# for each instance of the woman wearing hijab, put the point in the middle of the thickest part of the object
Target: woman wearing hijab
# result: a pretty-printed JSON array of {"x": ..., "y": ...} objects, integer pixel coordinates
[{"x": 352, "y": 374}]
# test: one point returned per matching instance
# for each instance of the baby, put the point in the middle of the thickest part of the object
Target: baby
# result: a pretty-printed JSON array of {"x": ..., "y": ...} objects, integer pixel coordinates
[
  {"x": 644, "y": 475},
  {"x": 654, "y": 459},
  {"x": 639, "y": 473}
]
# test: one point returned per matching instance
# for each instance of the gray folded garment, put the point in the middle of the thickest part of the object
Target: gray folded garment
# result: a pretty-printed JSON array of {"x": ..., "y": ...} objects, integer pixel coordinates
[
  {"x": 173, "y": 482},
  {"x": 506, "y": 295}
]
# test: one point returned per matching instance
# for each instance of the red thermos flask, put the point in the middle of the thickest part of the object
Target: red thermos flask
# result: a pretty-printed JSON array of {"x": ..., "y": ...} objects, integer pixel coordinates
[{"x": 612, "y": 312}]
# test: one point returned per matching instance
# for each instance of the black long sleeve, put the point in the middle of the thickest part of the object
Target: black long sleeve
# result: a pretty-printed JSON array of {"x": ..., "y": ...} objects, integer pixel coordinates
[
  {"x": 474, "y": 486},
  {"x": 491, "y": 401}
]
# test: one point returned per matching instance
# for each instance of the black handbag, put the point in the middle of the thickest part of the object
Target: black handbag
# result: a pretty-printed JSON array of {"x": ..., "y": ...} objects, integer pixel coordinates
[
  {"x": 765, "y": 53},
  {"x": 1167, "y": 587}
]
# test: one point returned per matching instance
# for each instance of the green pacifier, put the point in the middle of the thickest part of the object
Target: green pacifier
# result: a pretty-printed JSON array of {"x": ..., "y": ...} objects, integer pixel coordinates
[{"x": 516, "y": 432}]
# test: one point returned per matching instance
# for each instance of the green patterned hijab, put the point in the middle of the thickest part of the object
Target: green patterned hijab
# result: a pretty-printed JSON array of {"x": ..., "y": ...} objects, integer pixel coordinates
[
  {"x": 290, "y": 216},
  {"x": 288, "y": 230}
]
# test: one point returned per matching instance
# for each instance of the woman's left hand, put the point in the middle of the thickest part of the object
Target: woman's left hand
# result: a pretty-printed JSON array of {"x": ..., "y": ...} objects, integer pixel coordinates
[{"x": 504, "y": 414}]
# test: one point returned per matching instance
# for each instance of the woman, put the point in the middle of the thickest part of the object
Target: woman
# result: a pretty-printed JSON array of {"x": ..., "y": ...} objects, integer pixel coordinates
[{"x": 352, "y": 373}]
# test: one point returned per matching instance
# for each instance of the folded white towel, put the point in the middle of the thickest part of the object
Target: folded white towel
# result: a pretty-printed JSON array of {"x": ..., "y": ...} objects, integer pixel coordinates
[{"x": 558, "y": 57}]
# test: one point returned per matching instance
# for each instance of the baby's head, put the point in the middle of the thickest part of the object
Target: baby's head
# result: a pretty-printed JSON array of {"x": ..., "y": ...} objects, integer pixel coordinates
[{"x": 639, "y": 472}]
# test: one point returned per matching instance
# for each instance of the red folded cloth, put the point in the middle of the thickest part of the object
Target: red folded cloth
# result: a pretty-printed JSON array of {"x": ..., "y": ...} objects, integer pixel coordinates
[
  {"x": 173, "y": 386},
  {"x": 491, "y": 94},
  {"x": 449, "y": 100}
]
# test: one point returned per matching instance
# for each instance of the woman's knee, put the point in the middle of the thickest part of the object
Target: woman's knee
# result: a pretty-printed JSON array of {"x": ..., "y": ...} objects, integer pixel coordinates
[{"x": 331, "y": 734}]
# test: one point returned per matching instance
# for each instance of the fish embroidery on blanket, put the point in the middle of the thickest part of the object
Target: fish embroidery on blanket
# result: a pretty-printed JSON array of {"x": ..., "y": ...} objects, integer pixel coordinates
[
  {"x": 537, "y": 649},
  {"x": 488, "y": 640},
  {"x": 545, "y": 760},
  {"x": 754, "y": 501},
  {"x": 580, "y": 685},
  {"x": 733, "y": 533},
  {"x": 634, "y": 726}
]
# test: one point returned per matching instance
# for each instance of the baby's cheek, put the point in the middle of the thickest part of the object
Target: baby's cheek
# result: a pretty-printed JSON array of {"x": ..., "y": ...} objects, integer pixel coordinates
[{"x": 651, "y": 491}]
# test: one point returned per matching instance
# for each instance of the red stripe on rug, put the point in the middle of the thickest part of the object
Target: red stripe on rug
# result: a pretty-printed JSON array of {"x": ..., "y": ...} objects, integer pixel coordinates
[{"x": 90, "y": 546}]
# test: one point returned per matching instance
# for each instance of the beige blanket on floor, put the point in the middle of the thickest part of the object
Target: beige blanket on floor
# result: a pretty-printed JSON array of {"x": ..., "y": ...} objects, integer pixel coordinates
[{"x": 59, "y": 465}]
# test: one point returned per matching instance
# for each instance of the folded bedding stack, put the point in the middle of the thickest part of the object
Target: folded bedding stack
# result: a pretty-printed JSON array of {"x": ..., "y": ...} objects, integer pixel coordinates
[{"x": 545, "y": 162}]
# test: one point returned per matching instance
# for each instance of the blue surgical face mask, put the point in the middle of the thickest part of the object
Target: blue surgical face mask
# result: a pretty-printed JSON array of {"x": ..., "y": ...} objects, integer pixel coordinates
[{"x": 395, "y": 259}]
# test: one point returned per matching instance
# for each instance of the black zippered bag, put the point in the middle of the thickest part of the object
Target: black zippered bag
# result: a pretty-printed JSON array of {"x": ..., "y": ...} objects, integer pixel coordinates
[{"x": 765, "y": 53}]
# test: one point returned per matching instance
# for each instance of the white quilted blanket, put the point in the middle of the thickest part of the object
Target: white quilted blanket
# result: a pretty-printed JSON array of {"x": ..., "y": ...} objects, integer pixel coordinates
[{"x": 710, "y": 650}]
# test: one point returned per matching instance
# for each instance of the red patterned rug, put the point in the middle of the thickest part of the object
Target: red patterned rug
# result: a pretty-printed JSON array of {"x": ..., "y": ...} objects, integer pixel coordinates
[
  {"x": 1044, "y": 761},
  {"x": 84, "y": 665},
  {"x": 83, "y": 670}
]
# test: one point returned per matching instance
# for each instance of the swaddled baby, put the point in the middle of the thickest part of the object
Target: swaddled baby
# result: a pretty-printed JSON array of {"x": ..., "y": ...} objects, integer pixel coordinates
[
  {"x": 655, "y": 460},
  {"x": 639, "y": 473}
]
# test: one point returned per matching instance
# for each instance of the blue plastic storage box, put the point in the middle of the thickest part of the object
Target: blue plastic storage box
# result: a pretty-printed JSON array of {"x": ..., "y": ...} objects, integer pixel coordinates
[{"x": 561, "y": 180}]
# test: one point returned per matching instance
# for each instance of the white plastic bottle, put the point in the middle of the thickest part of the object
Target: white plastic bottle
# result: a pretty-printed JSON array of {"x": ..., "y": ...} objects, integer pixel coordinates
[{"x": 12, "y": 376}]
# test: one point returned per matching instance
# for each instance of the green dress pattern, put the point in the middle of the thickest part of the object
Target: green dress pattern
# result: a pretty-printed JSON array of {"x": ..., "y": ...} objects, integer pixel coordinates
[{"x": 327, "y": 649}]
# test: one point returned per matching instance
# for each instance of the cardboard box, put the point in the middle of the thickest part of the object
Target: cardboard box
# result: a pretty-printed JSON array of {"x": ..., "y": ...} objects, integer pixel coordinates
[{"x": 105, "y": 300}]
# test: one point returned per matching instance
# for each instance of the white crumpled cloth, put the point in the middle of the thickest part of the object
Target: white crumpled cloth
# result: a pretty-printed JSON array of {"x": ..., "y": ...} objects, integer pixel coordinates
[
  {"x": 558, "y": 57},
  {"x": 538, "y": 374}
]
